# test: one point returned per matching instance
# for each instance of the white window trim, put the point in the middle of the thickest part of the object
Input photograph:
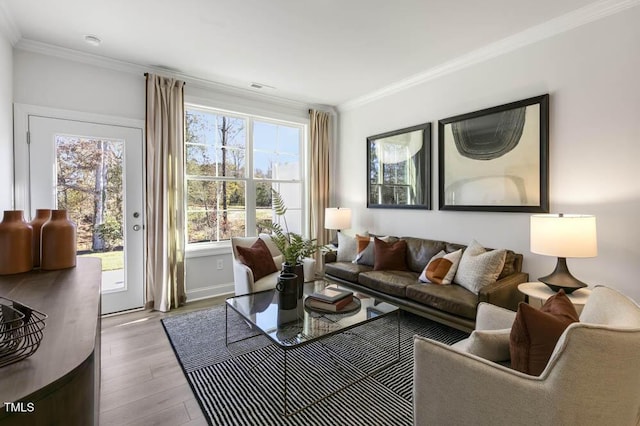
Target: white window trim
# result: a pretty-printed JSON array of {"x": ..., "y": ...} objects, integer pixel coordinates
[{"x": 202, "y": 249}]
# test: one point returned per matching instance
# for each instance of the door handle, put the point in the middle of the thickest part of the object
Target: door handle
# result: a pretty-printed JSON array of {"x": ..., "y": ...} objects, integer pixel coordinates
[{"x": 136, "y": 227}]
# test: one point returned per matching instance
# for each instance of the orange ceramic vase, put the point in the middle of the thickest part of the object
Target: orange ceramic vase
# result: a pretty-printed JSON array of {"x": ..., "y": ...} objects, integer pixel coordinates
[
  {"x": 42, "y": 216},
  {"x": 15, "y": 243},
  {"x": 58, "y": 242}
]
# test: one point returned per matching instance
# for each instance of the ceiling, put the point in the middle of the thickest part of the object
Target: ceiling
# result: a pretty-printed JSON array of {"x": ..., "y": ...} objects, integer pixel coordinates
[{"x": 325, "y": 52}]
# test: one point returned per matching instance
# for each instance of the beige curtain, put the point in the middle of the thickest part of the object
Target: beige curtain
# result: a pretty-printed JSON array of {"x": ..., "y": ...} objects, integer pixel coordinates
[
  {"x": 165, "y": 193},
  {"x": 320, "y": 143}
]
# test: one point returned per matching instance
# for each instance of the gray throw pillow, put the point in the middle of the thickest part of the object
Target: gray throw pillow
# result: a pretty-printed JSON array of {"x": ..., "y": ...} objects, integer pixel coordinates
[{"x": 479, "y": 267}]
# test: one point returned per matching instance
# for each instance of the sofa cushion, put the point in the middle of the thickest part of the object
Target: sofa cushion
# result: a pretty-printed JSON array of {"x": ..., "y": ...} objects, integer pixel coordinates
[
  {"x": 479, "y": 267},
  {"x": 420, "y": 251},
  {"x": 346, "y": 270},
  {"x": 453, "y": 299},
  {"x": 534, "y": 333},
  {"x": 389, "y": 282},
  {"x": 441, "y": 268},
  {"x": 390, "y": 256},
  {"x": 258, "y": 258}
]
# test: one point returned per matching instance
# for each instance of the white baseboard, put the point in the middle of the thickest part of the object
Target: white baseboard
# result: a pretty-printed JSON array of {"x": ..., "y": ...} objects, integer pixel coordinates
[{"x": 226, "y": 289}]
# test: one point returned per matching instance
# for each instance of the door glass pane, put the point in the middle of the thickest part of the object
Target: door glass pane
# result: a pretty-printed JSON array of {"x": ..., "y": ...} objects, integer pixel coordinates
[{"x": 89, "y": 187}]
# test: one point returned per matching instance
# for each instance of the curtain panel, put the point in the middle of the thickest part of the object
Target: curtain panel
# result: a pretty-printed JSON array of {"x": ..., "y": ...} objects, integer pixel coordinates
[
  {"x": 165, "y": 232},
  {"x": 320, "y": 144}
]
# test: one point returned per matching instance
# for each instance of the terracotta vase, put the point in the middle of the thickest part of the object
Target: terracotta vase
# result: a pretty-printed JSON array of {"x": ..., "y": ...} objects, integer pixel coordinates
[
  {"x": 42, "y": 216},
  {"x": 15, "y": 243},
  {"x": 58, "y": 242}
]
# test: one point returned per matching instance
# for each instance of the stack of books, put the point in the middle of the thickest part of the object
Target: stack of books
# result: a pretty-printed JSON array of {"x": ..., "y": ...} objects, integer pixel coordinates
[{"x": 330, "y": 299}]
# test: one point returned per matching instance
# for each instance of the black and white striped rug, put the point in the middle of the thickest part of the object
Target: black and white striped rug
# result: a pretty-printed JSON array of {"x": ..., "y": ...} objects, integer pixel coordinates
[{"x": 243, "y": 385}]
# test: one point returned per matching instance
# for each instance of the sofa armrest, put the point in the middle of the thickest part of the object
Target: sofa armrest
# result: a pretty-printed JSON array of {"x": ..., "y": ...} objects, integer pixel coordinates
[
  {"x": 329, "y": 256},
  {"x": 451, "y": 387},
  {"x": 504, "y": 292},
  {"x": 242, "y": 278}
]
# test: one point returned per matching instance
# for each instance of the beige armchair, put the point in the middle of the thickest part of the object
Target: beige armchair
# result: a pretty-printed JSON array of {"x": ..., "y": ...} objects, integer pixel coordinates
[
  {"x": 592, "y": 378},
  {"x": 242, "y": 275}
]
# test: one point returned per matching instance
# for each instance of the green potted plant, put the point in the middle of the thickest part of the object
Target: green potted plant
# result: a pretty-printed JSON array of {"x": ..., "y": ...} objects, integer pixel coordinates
[{"x": 294, "y": 247}]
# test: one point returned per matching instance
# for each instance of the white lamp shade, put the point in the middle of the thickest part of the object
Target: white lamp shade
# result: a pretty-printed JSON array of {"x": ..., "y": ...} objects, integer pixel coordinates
[
  {"x": 564, "y": 235},
  {"x": 337, "y": 218}
]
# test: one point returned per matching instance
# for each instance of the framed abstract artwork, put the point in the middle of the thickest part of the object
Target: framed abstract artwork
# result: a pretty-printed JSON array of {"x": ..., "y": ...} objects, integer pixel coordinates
[
  {"x": 496, "y": 159},
  {"x": 399, "y": 169}
]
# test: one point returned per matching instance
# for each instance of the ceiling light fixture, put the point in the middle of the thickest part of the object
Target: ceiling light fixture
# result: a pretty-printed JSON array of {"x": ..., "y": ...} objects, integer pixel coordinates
[{"x": 92, "y": 40}]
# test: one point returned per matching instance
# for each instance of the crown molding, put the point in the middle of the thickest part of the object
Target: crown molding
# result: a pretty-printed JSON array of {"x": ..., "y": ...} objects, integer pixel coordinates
[
  {"x": 134, "y": 68},
  {"x": 8, "y": 26},
  {"x": 548, "y": 29}
]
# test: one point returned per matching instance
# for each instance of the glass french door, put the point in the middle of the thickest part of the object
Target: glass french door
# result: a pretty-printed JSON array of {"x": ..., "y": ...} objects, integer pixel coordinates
[{"x": 95, "y": 172}]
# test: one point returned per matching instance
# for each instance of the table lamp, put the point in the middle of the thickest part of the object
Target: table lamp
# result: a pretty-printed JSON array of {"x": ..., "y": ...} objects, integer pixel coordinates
[
  {"x": 563, "y": 236},
  {"x": 337, "y": 218}
]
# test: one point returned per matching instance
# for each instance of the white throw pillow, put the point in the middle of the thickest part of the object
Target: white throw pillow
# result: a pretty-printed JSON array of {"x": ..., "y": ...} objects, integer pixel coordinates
[
  {"x": 346, "y": 248},
  {"x": 479, "y": 267},
  {"x": 492, "y": 345},
  {"x": 441, "y": 268}
]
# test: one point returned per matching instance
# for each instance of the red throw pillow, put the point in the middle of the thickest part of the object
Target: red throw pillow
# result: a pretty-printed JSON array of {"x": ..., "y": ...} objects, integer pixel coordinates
[
  {"x": 258, "y": 258},
  {"x": 534, "y": 333},
  {"x": 390, "y": 256}
]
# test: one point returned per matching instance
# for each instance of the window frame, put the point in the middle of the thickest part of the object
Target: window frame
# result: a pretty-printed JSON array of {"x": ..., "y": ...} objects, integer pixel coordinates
[{"x": 249, "y": 178}]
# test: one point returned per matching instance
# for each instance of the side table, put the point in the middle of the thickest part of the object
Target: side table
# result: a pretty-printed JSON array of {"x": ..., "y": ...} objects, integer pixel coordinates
[{"x": 541, "y": 292}]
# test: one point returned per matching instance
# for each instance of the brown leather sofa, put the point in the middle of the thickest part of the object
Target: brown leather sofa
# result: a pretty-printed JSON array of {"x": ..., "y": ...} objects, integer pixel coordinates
[{"x": 448, "y": 304}]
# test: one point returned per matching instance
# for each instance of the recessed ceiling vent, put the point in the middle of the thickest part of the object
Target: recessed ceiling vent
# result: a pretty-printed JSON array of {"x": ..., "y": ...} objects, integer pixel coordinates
[
  {"x": 255, "y": 85},
  {"x": 92, "y": 40}
]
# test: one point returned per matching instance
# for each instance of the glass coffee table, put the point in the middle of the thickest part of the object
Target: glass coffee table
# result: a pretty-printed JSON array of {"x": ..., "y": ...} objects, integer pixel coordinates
[{"x": 291, "y": 329}]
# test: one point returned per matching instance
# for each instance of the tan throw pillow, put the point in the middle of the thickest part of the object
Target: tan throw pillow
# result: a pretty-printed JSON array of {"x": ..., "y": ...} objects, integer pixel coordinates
[
  {"x": 257, "y": 258},
  {"x": 534, "y": 333},
  {"x": 479, "y": 267},
  {"x": 441, "y": 268},
  {"x": 390, "y": 256},
  {"x": 362, "y": 242},
  {"x": 492, "y": 345}
]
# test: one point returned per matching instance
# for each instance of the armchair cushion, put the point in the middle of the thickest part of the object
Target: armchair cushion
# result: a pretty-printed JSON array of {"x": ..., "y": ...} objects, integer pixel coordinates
[
  {"x": 492, "y": 345},
  {"x": 258, "y": 259},
  {"x": 534, "y": 333}
]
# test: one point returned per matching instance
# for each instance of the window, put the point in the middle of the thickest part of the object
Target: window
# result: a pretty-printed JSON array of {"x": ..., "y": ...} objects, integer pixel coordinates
[{"x": 232, "y": 163}]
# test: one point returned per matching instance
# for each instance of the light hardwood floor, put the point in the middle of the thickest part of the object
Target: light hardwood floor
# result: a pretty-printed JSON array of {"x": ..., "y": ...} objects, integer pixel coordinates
[{"x": 141, "y": 380}]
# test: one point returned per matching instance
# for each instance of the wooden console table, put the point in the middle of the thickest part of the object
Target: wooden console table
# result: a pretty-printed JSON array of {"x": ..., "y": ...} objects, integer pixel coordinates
[{"x": 60, "y": 382}]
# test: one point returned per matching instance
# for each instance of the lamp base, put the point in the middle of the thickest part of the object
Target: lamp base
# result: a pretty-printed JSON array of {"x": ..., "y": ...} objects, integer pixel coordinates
[{"x": 561, "y": 278}]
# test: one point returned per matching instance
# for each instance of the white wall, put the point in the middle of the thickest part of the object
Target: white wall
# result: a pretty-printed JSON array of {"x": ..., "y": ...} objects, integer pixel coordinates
[
  {"x": 6, "y": 124},
  {"x": 592, "y": 76},
  {"x": 55, "y": 82}
]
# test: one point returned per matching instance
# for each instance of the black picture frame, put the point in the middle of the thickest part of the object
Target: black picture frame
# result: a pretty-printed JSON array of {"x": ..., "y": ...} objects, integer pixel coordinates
[
  {"x": 399, "y": 169},
  {"x": 496, "y": 159}
]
